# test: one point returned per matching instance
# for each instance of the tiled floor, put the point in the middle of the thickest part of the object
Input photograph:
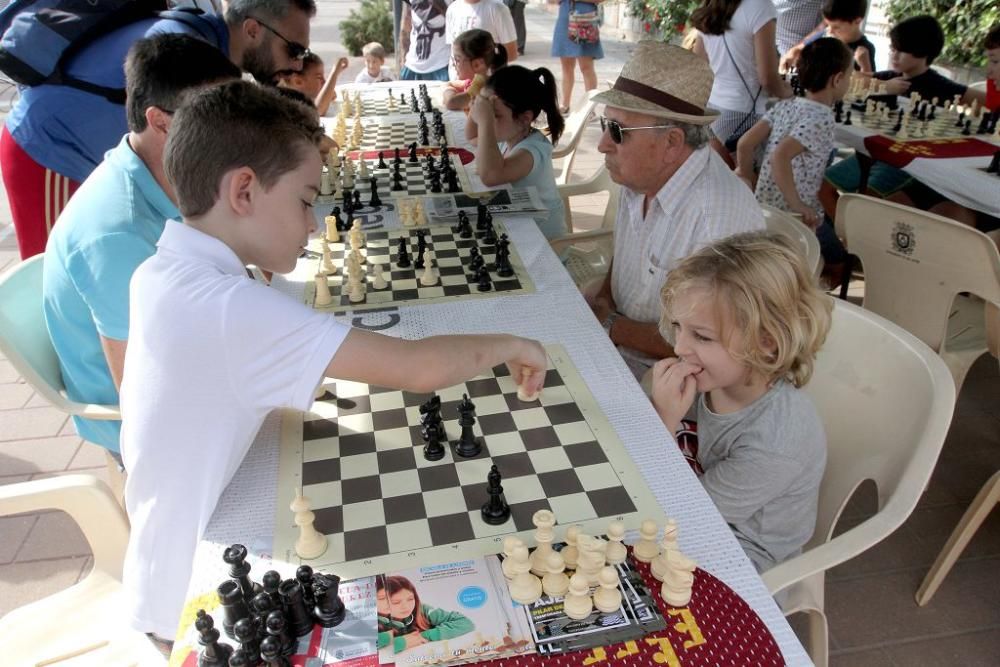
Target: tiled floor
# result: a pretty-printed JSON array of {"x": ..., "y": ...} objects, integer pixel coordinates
[{"x": 873, "y": 618}]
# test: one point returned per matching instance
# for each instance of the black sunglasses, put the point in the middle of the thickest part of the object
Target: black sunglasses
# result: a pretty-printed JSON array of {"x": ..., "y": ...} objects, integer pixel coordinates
[
  {"x": 617, "y": 132},
  {"x": 296, "y": 51}
]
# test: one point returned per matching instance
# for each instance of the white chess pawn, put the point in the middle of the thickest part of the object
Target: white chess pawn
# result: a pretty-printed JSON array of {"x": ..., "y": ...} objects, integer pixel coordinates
[
  {"x": 577, "y": 603},
  {"x": 544, "y": 522},
  {"x": 328, "y": 268},
  {"x": 429, "y": 276},
  {"x": 645, "y": 549},
  {"x": 311, "y": 543},
  {"x": 325, "y": 185},
  {"x": 356, "y": 227},
  {"x": 616, "y": 551},
  {"x": 570, "y": 552},
  {"x": 356, "y": 290},
  {"x": 509, "y": 544},
  {"x": 608, "y": 598},
  {"x": 525, "y": 588},
  {"x": 658, "y": 566},
  {"x": 364, "y": 168},
  {"x": 378, "y": 280},
  {"x": 678, "y": 580},
  {"x": 332, "y": 235},
  {"x": 322, "y": 291},
  {"x": 555, "y": 582},
  {"x": 419, "y": 218}
]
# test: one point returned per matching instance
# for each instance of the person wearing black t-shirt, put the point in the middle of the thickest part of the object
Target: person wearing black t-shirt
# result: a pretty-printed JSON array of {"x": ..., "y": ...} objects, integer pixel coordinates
[{"x": 841, "y": 19}]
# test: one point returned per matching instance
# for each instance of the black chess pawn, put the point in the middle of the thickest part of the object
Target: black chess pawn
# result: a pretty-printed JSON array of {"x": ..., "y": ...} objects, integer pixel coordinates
[
  {"x": 495, "y": 510},
  {"x": 234, "y": 606},
  {"x": 329, "y": 610},
  {"x": 418, "y": 262},
  {"x": 270, "y": 653},
  {"x": 397, "y": 182},
  {"x": 381, "y": 161},
  {"x": 239, "y": 570},
  {"x": 961, "y": 120},
  {"x": 357, "y": 200},
  {"x": 476, "y": 260},
  {"x": 403, "y": 262},
  {"x": 435, "y": 180},
  {"x": 270, "y": 582},
  {"x": 245, "y": 632},
  {"x": 402, "y": 99},
  {"x": 838, "y": 111},
  {"x": 375, "y": 200},
  {"x": 278, "y": 627},
  {"x": 967, "y": 130},
  {"x": 239, "y": 658},
  {"x": 452, "y": 179},
  {"x": 847, "y": 119},
  {"x": 299, "y": 621},
  {"x": 468, "y": 444},
  {"x": 304, "y": 574},
  {"x": 481, "y": 213},
  {"x": 484, "y": 284},
  {"x": 397, "y": 159},
  {"x": 425, "y": 137},
  {"x": 412, "y": 153},
  {"x": 490, "y": 237},
  {"x": 212, "y": 653},
  {"x": 930, "y": 112}
]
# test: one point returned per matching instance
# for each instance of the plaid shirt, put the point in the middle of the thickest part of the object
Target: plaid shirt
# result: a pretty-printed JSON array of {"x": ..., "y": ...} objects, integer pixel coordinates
[
  {"x": 796, "y": 19},
  {"x": 703, "y": 201}
]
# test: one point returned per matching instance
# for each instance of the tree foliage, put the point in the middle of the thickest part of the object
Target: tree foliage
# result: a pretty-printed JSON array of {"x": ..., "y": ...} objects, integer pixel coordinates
[
  {"x": 965, "y": 24},
  {"x": 371, "y": 22}
]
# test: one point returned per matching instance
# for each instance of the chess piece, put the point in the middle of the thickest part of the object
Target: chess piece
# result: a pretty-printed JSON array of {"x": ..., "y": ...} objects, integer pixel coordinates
[
  {"x": 245, "y": 632},
  {"x": 311, "y": 543},
  {"x": 468, "y": 445},
  {"x": 678, "y": 579},
  {"x": 402, "y": 254},
  {"x": 378, "y": 279},
  {"x": 374, "y": 200},
  {"x": 429, "y": 276},
  {"x": 495, "y": 511},
  {"x": 544, "y": 521},
  {"x": 325, "y": 184},
  {"x": 419, "y": 262},
  {"x": 555, "y": 583},
  {"x": 239, "y": 658},
  {"x": 525, "y": 588},
  {"x": 570, "y": 552},
  {"x": 239, "y": 570},
  {"x": 300, "y": 622},
  {"x": 327, "y": 267},
  {"x": 332, "y": 235},
  {"x": 329, "y": 610},
  {"x": 577, "y": 603},
  {"x": 363, "y": 170},
  {"x": 509, "y": 544},
  {"x": 277, "y": 627},
  {"x": 432, "y": 429},
  {"x": 483, "y": 283},
  {"x": 304, "y": 575},
  {"x": 355, "y": 290},
  {"x": 616, "y": 551},
  {"x": 270, "y": 652},
  {"x": 847, "y": 120},
  {"x": 607, "y": 598},
  {"x": 270, "y": 581},
  {"x": 234, "y": 607},
  {"x": 658, "y": 566},
  {"x": 591, "y": 558},
  {"x": 645, "y": 549},
  {"x": 212, "y": 653},
  {"x": 381, "y": 161}
]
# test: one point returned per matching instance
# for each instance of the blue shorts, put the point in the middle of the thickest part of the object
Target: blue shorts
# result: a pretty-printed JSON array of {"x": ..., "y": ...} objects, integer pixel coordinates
[
  {"x": 407, "y": 74},
  {"x": 883, "y": 180}
]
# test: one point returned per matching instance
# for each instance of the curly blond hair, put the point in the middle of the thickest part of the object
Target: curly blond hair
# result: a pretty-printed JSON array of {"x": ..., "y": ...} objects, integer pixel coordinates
[{"x": 761, "y": 281}]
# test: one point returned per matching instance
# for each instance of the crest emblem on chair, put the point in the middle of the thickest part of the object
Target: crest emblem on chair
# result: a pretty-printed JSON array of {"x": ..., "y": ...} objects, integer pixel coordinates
[{"x": 903, "y": 239}]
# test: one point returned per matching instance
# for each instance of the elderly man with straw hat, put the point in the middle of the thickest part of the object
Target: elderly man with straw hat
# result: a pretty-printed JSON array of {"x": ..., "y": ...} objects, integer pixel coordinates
[{"x": 677, "y": 194}]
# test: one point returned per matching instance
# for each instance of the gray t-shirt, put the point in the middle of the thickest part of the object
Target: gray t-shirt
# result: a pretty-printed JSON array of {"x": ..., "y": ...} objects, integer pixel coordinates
[{"x": 763, "y": 466}]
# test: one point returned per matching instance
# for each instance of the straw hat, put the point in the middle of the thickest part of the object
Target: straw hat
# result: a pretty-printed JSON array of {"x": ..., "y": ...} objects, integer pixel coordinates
[{"x": 663, "y": 80}]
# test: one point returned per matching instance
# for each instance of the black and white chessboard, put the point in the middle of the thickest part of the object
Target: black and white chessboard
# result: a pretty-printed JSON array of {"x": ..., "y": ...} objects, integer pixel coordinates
[
  {"x": 376, "y": 103},
  {"x": 381, "y": 134},
  {"x": 358, "y": 455},
  {"x": 414, "y": 181},
  {"x": 403, "y": 286}
]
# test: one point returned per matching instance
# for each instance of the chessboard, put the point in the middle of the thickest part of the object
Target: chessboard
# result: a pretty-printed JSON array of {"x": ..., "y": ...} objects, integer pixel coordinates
[
  {"x": 415, "y": 178},
  {"x": 358, "y": 456},
  {"x": 452, "y": 255},
  {"x": 928, "y": 122},
  {"x": 381, "y": 134},
  {"x": 404, "y": 101}
]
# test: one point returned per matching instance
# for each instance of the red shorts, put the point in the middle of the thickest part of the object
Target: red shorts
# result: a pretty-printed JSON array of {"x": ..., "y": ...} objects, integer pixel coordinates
[{"x": 37, "y": 195}]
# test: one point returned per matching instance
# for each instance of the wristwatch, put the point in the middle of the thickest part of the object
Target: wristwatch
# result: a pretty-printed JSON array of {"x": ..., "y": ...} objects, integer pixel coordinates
[{"x": 609, "y": 321}]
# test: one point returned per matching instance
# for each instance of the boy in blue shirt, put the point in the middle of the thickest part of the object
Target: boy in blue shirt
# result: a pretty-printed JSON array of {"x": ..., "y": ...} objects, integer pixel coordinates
[{"x": 112, "y": 225}]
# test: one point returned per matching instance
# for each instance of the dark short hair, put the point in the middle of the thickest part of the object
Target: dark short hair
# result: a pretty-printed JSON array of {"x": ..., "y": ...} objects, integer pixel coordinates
[
  {"x": 310, "y": 60},
  {"x": 992, "y": 40},
  {"x": 477, "y": 43},
  {"x": 233, "y": 125},
  {"x": 238, "y": 11},
  {"x": 844, "y": 10},
  {"x": 822, "y": 59},
  {"x": 920, "y": 36},
  {"x": 160, "y": 69}
]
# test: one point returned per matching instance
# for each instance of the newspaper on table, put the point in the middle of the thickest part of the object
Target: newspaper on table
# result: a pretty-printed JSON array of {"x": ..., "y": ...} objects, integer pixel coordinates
[{"x": 523, "y": 201}]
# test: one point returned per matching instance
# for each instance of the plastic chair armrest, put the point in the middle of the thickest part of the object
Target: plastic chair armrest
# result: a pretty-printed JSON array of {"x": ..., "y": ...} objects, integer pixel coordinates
[
  {"x": 88, "y": 501},
  {"x": 94, "y": 411},
  {"x": 562, "y": 242}
]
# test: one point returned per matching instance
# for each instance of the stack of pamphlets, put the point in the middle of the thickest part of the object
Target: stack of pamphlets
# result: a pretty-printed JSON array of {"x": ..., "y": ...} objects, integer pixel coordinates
[{"x": 524, "y": 201}]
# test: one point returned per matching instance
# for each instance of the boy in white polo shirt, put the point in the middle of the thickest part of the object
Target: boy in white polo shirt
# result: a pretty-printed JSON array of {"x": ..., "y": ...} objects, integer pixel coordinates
[{"x": 211, "y": 352}]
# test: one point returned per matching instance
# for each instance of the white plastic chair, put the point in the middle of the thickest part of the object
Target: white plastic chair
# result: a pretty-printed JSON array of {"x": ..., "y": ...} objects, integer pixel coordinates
[
  {"x": 782, "y": 222},
  {"x": 82, "y": 625},
  {"x": 918, "y": 267},
  {"x": 24, "y": 340},
  {"x": 587, "y": 255},
  {"x": 576, "y": 123},
  {"x": 900, "y": 399},
  {"x": 981, "y": 505}
]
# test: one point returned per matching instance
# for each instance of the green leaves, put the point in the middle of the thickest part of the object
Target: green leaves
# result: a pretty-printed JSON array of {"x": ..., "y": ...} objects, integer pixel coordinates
[
  {"x": 372, "y": 22},
  {"x": 965, "y": 24}
]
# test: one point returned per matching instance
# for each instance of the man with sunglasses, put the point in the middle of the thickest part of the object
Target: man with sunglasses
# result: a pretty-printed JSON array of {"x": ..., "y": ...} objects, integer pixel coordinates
[
  {"x": 55, "y": 135},
  {"x": 677, "y": 194}
]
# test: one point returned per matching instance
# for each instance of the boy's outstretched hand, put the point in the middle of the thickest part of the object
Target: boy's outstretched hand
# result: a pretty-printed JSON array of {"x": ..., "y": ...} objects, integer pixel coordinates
[{"x": 674, "y": 389}]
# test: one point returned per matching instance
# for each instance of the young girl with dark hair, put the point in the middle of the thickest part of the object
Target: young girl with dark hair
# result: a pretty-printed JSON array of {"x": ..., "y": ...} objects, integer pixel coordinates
[
  {"x": 510, "y": 150},
  {"x": 473, "y": 52},
  {"x": 410, "y": 623}
]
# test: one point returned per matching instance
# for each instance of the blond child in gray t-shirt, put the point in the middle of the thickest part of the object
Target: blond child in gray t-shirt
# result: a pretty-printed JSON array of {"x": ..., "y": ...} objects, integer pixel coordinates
[{"x": 746, "y": 320}]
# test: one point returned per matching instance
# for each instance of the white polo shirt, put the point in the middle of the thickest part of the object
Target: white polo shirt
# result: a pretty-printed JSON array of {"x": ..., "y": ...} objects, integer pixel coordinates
[{"x": 210, "y": 353}]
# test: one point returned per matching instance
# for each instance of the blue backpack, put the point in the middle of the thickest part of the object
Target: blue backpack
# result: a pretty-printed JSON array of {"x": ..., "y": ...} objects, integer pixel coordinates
[{"x": 40, "y": 36}]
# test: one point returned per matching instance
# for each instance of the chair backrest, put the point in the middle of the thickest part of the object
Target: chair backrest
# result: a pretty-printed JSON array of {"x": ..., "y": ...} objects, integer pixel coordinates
[
  {"x": 886, "y": 401},
  {"x": 783, "y": 223},
  {"x": 576, "y": 122},
  {"x": 915, "y": 263},
  {"x": 599, "y": 182}
]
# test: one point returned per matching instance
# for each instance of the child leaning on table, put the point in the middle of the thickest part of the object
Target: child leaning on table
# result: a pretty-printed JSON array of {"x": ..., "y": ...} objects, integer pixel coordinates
[
  {"x": 509, "y": 148},
  {"x": 311, "y": 81},
  {"x": 746, "y": 320},
  {"x": 212, "y": 352},
  {"x": 474, "y": 53},
  {"x": 799, "y": 134}
]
